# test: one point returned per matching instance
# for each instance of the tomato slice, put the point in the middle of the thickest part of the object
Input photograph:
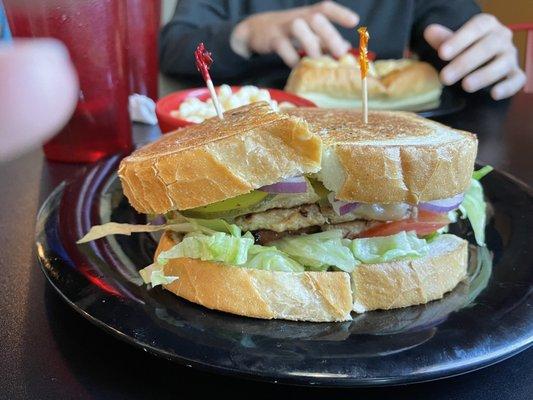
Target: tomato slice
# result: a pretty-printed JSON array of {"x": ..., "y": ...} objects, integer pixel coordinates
[{"x": 425, "y": 224}]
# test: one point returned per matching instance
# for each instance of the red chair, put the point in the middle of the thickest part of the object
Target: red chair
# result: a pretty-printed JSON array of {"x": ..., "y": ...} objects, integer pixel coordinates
[{"x": 529, "y": 52}]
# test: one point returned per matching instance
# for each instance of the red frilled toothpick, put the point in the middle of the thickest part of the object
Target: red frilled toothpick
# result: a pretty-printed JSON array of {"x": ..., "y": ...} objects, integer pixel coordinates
[{"x": 203, "y": 62}]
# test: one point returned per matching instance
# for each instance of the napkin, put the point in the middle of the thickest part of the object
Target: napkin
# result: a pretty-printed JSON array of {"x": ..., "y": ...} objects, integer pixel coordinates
[{"x": 142, "y": 109}]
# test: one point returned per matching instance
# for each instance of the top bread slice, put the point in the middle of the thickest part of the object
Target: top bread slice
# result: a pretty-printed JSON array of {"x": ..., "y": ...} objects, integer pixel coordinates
[
  {"x": 202, "y": 164},
  {"x": 397, "y": 157},
  {"x": 388, "y": 79}
]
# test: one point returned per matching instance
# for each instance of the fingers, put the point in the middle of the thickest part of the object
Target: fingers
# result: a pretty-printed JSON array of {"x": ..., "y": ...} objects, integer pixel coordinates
[
  {"x": 283, "y": 47},
  {"x": 477, "y": 55},
  {"x": 329, "y": 35},
  {"x": 26, "y": 123},
  {"x": 499, "y": 68},
  {"x": 482, "y": 40},
  {"x": 436, "y": 35},
  {"x": 509, "y": 86},
  {"x": 309, "y": 41},
  {"x": 336, "y": 13},
  {"x": 469, "y": 33}
]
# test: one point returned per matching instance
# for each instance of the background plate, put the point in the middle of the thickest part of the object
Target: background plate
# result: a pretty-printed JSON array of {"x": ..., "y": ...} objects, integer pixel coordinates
[
  {"x": 477, "y": 324},
  {"x": 450, "y": 102}
]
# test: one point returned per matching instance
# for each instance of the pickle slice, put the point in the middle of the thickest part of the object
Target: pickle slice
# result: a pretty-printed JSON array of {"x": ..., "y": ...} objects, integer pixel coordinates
[{"x": 229, "y": 206}]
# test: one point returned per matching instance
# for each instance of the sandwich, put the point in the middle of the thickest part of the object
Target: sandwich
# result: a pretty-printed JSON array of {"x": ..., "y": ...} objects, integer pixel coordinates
[
  {"x": 404, "y": 84},
  {"x": 305, "y": 215}
]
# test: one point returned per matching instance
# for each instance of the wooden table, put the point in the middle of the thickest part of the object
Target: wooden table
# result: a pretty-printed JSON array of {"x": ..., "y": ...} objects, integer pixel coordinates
[{"x": 48, "y": 351}]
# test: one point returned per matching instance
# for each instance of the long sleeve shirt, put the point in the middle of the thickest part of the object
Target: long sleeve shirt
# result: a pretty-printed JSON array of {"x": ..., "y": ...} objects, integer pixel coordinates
[{"x": 394, "y": 27}]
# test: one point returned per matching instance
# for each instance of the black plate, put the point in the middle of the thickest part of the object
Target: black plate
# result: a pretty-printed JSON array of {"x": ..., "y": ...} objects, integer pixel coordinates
[
  {"x": 450, "y": 103},
  {"x": 473, "y": 326}
]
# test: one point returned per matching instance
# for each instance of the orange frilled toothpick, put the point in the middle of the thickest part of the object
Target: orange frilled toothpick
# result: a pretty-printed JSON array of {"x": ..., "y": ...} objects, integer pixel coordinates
[
  {"x": 363, "y": 64},
  {"x": 203, "y": 62}
]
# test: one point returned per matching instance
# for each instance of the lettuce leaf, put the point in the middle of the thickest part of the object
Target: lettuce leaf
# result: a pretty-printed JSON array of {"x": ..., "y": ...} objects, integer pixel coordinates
[
  {"x": 232, "y": 250},
  {"x": 319, "y": 251},
  {"x": 217, "y": 224},
  {"x": 388, "y": 248},
  {"x": 154, "y": 275},
  {"x": 271, "y": 259},
  {"x": 114, "y": 228},
  {"x": 207, "y": 226},
  {"x": 474, "y": 208},
  {"x": 216, "y": 247},
  {"x": 480, "y": 173}
]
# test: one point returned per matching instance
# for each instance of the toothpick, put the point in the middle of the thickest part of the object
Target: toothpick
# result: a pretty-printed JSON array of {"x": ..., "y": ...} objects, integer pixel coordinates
[
  {"x": 216, "y": 102},
  {"x": 363, "y": 65},
  {"x": 203, "y": 62},
  {"x": 365, "y": 101}
]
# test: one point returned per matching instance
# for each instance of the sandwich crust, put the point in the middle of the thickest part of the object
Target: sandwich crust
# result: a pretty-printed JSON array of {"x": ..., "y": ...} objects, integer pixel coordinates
[
  {"x": 409, "y": 282},
  {"x": 337, "y": 79},
  {"x": 304, "y": 296},
  {"x": 318, "y": 296},
  {"x": 398, "y": 84},
  {"x": 397, "y": 157},
  {"x": 202, "y": 164}
]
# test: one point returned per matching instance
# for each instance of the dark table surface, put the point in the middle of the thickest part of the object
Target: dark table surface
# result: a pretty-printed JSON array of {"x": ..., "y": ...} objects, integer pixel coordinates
[{"x": 48, "y": 351}]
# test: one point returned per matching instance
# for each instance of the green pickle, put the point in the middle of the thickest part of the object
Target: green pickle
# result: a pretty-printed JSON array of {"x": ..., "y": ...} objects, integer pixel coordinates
[{"x": 228, "y": 207}]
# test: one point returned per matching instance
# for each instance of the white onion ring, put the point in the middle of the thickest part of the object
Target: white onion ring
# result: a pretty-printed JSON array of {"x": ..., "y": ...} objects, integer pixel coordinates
[
  {"x": 297, "y": 184},
  {"x": 341, "y": 207},
  {"x": 444, "y": 205}
]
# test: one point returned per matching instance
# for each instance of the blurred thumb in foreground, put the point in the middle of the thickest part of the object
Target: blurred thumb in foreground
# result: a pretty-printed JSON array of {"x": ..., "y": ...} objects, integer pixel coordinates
[{"x": 38, "y": 93}]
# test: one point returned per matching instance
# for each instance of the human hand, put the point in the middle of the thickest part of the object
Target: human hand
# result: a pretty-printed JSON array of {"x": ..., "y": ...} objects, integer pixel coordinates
[
  {"x": 309, "y": 28},
  {"x": 38, "y": 93},
  {"x": 480, "y": 53}
]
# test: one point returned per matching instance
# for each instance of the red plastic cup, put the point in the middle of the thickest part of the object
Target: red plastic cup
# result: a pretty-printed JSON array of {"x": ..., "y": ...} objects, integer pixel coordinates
[
  {"x": 95, "y": 33},
  {"x": 143, "y": 31}
]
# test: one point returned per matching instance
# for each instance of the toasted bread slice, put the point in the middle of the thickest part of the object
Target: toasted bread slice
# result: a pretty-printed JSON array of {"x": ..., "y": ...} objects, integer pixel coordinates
[
  {"x": 392, "y": 84},
  {"x": 405, "y": 283},
  {"x": 397, "y": 157},
  {"x": 305, "y": 296},
  {"x": 318, "y": 296},
  {"x": 202, "y": 164}
]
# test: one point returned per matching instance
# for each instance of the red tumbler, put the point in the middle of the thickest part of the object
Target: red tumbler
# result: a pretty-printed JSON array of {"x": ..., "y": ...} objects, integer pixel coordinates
[
  {"x": 143, "y": 29},
  {"x": 95, "y": 33}
]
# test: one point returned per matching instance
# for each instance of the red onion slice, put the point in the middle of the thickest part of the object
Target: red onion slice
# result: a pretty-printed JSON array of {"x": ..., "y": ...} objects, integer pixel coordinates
[
  {"x": 341, "y": 207},
  {"x": 297, "y": 184},
  {"x": 158, "y": 220},
  {"x": 444, "y": 205}
]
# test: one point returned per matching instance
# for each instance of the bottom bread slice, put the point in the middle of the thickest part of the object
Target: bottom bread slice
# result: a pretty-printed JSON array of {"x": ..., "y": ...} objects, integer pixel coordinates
[
  {"x": 318, "y": 296},
  {"x": 410, "y": 282}
]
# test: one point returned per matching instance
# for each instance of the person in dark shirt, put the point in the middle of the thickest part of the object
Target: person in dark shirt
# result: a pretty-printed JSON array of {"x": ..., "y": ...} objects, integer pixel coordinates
[{"x": 255, "y": 37}]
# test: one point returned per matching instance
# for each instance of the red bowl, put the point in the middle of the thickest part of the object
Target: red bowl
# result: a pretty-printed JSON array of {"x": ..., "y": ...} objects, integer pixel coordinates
[{"x": 173, "y": 100}]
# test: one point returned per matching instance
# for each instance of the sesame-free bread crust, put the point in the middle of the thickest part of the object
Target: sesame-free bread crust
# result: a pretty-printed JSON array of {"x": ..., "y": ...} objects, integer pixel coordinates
[
  {"x": 392, "y": 84},
  {"x": 218, "y": 159},
  {"x": 397, "y": 157},
  {"x": 303, "y": 296},
  {"x": 409, "y": 282},
  {"x": 318, "y": 296}
]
